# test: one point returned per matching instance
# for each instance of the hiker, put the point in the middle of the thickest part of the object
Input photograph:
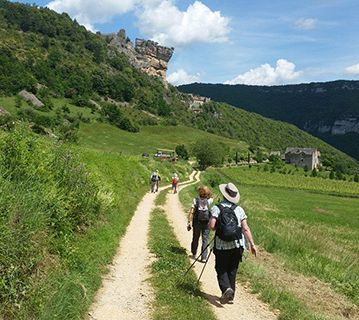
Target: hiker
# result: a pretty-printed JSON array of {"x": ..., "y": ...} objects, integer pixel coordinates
[
  {"x": 175, "y": 180},
  {"x": 155, "y": 179},
  {"x": 230, "y": 222},
  {"x": 199, "y": 215}
]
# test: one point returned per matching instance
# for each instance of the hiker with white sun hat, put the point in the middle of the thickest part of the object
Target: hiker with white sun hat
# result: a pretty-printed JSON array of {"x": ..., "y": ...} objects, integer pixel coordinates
[{"x": 230, "y": 222}]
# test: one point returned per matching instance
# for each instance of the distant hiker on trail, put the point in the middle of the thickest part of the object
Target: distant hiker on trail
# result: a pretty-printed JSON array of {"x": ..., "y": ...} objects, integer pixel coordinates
[
  {"x": 230, "y": 221},
  {"x": 155, "y": 179},
  {"x": 199, "y": 216},
  {"x": 175, "y": 180}
]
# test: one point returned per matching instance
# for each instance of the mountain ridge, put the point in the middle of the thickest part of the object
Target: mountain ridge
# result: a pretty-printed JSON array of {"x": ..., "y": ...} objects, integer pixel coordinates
[{"x": 324, "y": 109}]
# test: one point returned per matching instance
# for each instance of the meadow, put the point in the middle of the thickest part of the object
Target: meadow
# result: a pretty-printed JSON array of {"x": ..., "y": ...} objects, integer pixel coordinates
[
  {"x": 109, "y": 138},
  {"x": 307, "y": 232}
]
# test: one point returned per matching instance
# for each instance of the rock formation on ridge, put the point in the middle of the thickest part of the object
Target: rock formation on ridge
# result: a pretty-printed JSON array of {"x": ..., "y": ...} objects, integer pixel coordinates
[{"x": 146, "y": 55}]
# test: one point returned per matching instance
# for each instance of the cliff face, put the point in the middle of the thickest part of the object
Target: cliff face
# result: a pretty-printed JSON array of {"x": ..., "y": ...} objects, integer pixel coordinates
[{"x": 146, "y": 55}]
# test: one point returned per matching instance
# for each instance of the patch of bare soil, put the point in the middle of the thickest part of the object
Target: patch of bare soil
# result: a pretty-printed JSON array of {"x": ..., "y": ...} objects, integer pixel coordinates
[
  {"x": 246, "y": 306},
  {"x": 125, "y": 293},
  {"x": 318, "y": 296}
]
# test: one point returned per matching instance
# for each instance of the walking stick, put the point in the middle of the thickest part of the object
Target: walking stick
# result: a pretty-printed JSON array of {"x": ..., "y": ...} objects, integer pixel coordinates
[
  {"x": 199, "y": 257},
  {"x": 199, "y": 278}
]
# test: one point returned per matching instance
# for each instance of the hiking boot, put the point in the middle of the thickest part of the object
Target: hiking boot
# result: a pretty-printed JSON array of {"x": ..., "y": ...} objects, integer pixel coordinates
[{"x": 228, "y": 295}]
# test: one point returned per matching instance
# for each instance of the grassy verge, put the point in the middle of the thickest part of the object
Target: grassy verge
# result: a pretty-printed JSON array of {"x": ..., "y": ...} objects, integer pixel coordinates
[
  {"x": 161, "y": 198},
  {"x": 176, "y": 296},
  {"x": 289, "y": 305}
]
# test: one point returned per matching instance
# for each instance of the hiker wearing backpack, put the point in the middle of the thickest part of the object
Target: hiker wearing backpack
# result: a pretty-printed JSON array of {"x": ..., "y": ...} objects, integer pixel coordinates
[
  {"x": 230, "y": 223},
  {"x": 175, "y": 180},
  {"x": 154, "y": 180},
  {"x": 199, "y": 215}
]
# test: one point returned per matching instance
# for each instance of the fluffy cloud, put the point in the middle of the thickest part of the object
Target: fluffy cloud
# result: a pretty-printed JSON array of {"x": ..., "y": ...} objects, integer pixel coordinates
[
  {"x": 159, "y": 20},
  {"x": 182, "y": 77},
  {"x": 169, "y": 26},
  {"x": 284, "y": 72},
  {"x": 354, "y": 69},
  {"x": 306, "y": 24},
  {"x": 90, "y": 12}
]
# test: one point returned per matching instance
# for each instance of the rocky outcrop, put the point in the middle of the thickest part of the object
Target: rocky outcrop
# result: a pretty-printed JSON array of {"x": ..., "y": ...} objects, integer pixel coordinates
[
  {"x": 146, "y": 55},
  {"x": 348, "y": 124},
  {"x": 29, "y": 97},
  {"x": 3, "y": 112}
]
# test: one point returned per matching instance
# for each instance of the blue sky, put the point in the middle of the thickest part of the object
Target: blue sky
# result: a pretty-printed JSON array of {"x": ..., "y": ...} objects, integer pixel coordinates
[{"x": 236, "y": 41}]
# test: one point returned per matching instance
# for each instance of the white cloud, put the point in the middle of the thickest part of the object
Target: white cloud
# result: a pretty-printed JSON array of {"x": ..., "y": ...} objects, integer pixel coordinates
[
  {"x": 306, "y": 24},
  {"x": 354, "y": 69},
  {"x": 90, "y": 12},
  {"x": 169, "y": 26},
  {"x": 283, "y": 73},
  {"x": 160, "y": 20},
  {"x": 182, "y": 77}
]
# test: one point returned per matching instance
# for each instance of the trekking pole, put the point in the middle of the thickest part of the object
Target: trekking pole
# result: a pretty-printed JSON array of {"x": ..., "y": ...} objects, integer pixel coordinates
[
  {"x": 198, "y": 257},
  {"x": 199, "y": 278}
]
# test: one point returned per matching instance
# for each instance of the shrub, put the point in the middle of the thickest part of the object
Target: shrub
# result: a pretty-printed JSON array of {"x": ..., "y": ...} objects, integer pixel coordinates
[{"x": 46, "y": 197}]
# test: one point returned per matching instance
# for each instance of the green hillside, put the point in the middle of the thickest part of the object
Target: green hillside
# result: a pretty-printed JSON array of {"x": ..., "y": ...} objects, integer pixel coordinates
[
  {"x": 81, "y": 79},
  {"x": 313, "y": 107}
]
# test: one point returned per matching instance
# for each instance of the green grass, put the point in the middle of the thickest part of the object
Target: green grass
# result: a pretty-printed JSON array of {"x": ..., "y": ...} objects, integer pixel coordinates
[
  {"x": 251, "y": 176},
  {"x": 109, "y": 138},
  {"x": 124, "y": 181},
  {"x": 161, "y": 198},
  {"x": 314, "y": 234},
  {"x": 291, "y": 308},
  {"x": 9, "y": 104},
  {"x": 176, "y": 296}
]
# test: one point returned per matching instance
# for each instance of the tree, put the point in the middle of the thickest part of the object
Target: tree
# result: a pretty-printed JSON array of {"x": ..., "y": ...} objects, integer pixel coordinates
[
  {"x": 182, "y": 151},
  {"x": 356, "y": 177},
  {"x": 208, "y": 153},
  {"x": 331, "y": 175}
]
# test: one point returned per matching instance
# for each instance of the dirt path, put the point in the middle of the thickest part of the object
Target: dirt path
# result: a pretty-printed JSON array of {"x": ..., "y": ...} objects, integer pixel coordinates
[
  {"x": 125, "y": 294},
  {"x": 246, "y": 306}
]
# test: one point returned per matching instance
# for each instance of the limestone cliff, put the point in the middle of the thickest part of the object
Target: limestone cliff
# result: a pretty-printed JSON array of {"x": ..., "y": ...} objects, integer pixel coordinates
[{"x": 146, "y": 55}]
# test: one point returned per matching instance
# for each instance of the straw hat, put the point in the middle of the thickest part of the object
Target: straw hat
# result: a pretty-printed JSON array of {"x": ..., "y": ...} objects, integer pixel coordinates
[{"x": 230, "y": 192}]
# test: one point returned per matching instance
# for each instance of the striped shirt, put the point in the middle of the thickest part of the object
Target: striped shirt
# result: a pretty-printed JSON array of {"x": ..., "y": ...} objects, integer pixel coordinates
[{"x": 241, "y": 215}]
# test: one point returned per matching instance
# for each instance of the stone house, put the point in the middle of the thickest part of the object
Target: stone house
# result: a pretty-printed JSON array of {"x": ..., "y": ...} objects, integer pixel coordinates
[
  {"x": 196, "y": 102},
  {"x": 303, "y": 157}
]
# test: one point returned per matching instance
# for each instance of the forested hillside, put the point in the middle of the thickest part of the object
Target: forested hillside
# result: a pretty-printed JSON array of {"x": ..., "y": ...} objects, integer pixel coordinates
[
  {"x": 328, "y": 110},
  {"x": 80, "y": 78}
]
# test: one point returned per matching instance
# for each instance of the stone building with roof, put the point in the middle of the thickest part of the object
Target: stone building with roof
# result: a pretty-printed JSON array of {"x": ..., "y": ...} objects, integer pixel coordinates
[{"x": 303, "y": 157}]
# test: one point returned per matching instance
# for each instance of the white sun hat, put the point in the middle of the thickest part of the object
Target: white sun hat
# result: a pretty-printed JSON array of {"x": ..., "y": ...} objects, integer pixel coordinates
[{"x": 230, "y": 192}]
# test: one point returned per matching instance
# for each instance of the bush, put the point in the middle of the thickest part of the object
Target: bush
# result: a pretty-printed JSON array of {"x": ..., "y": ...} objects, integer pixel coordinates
[
  {"x": 46, "y": 197},
  {"x": 182, "y": 151},
  {"x": 208, "y": 153}
]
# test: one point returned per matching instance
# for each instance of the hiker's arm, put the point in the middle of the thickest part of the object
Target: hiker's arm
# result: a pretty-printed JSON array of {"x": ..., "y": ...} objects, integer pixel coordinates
[
  {"x": 248, "y": 235},
  {"x": 212, "y": 223},
  {"x": 190, "y": 215}
]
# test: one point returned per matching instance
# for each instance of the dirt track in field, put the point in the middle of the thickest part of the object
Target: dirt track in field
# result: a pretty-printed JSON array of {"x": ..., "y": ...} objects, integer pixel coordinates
[
  {"x": 126, "y": 294},
  {"x": 246, "y": 306}
]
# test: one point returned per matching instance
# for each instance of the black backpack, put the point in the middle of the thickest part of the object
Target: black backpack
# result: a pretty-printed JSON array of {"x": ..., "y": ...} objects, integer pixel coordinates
[
  {"x": 202, "y": 211},
  {"x": 154, "y": 178},
  {"x": 227, "y": 227}
]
